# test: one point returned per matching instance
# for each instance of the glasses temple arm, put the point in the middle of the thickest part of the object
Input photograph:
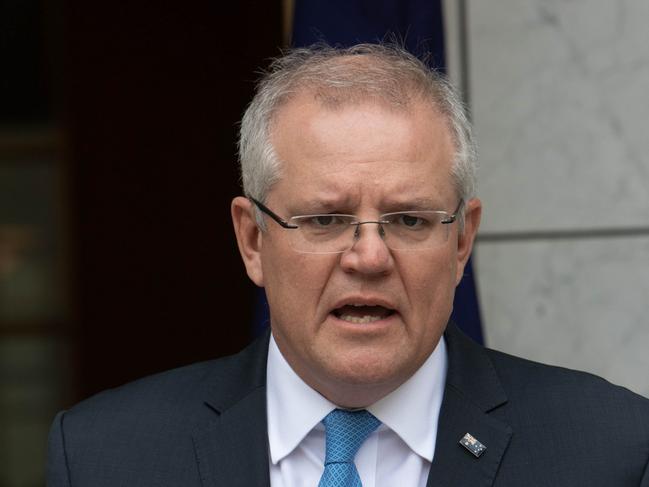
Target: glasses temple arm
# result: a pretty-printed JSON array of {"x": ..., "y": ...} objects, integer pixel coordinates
[
  {"x": 272, "y": 214},
  {"x": 453, "y": 217}
]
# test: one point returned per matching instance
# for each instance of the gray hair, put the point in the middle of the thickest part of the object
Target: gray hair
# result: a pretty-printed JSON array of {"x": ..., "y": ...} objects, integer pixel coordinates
[{"x": 385, "y": 72}]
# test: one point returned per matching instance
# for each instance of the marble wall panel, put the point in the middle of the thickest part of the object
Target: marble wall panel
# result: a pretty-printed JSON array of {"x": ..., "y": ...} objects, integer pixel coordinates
[
  {"x": 581, "y": 304},
  {"x": 561, "y": 110}
]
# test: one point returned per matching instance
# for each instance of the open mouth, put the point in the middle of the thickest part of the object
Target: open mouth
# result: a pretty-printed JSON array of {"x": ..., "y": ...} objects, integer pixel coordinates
[{"x": 362, "y": 314}]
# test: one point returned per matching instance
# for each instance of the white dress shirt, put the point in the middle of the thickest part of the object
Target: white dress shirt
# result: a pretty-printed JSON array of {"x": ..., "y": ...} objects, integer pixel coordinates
[{"x": 398, "y": 453}]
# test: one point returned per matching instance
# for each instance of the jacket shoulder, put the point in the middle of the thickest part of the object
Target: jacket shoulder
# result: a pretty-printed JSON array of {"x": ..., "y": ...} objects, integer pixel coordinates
[
  {"x": 147, "y": 427},
  {"x": 182, "y": 390},
  {"x": 171, "y": 386},
  {"x": 569, "y": 424},
  {"x": 522, "y": 377},
  {"x": 556, "y": 402}
]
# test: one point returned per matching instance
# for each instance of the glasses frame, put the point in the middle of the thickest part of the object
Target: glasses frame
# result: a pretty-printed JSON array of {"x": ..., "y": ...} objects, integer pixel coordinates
[{"x": 452, "y": 218}]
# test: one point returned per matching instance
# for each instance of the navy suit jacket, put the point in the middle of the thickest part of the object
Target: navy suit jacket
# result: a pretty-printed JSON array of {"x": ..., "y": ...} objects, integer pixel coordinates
[{"x": 205, "y": 425}]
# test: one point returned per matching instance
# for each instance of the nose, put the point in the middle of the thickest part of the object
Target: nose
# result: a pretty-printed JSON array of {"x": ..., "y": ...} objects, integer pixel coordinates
[{"x": 368, "y": 254}]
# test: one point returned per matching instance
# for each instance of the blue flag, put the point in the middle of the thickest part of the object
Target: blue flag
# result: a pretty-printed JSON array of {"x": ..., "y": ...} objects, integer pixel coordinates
[{"x": 419, "y": 26}]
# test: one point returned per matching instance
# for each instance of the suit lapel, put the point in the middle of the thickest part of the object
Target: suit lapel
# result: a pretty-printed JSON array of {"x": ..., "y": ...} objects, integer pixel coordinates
[
  {"x": 472, "y": 391},
  {"x": 232, "y": 449}
]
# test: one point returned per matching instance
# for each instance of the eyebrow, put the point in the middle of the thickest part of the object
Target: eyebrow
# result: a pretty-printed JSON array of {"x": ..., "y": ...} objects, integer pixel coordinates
[
  {"x": 328, "y": 205},
  {"x": 322, "y": 205},
  {"x": 420, "y": 203}
]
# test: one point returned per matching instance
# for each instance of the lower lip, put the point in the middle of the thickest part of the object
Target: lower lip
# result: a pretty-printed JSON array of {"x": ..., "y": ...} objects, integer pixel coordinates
[{"x": 371, "y": 327}]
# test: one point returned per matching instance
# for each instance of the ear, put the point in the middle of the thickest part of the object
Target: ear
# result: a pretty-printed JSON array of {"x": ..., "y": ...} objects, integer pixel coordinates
[
  {"x": 249, "y": 237},
  {"x": 472, "y": 214}
]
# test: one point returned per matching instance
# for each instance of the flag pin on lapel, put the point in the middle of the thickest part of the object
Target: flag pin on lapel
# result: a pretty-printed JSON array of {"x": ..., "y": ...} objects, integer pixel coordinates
[{"x": 473, "y": 445}]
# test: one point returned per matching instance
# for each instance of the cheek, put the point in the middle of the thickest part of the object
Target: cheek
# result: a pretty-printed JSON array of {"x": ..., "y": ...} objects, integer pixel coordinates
[
  {"x": 432, "y": 272},
  {"x": 293, "y": 281},
  {"x": 430, "y": 288}
]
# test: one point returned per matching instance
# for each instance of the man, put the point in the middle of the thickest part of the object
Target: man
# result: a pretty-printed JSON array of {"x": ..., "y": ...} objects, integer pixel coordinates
[{"x": 359, "y": 217}]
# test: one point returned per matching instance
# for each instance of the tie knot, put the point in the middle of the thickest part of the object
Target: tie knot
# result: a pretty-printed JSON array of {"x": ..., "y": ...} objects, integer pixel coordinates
[{"x": 346, "y": 431}]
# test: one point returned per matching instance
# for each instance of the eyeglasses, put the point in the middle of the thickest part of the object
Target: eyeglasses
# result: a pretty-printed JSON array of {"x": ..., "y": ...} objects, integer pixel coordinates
[{"x": 330, "y": 233}]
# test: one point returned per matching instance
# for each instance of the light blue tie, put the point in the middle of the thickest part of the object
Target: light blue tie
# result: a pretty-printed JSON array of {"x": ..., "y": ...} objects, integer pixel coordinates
[{"x": 346, "y": 431}]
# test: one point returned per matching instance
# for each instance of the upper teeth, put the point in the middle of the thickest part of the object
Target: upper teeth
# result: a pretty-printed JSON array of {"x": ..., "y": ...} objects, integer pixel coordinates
[{"x": 358, "y": 319}]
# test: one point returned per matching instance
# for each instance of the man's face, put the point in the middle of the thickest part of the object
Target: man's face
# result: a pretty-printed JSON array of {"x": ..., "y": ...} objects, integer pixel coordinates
[{"x": 364, "y": 159}]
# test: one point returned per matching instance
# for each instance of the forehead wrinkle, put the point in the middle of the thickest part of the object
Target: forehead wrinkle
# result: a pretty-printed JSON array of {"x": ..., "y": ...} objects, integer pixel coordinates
[
  {"x": 414, "y": 203},
  {"x": 324, "y": 200},
  {"x": 336, "y": 194}
]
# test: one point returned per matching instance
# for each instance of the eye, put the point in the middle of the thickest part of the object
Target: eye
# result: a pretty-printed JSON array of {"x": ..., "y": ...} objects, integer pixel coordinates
[
  {"x": 325, "y": 220},
  {"x": 410, "y": 221}
]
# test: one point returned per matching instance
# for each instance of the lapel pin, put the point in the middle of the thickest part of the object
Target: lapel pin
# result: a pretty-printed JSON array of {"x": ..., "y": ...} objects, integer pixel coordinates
[{"x": 473, "y": 445}]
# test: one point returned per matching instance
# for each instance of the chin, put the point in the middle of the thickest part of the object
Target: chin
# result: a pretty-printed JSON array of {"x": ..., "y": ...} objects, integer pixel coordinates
[{"x": 372, "y": 370}]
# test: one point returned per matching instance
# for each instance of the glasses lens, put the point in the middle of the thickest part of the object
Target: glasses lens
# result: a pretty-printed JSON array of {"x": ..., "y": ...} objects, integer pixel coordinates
[
  {"x": 415, "y": 230},
  {"x": 322, "y": 234},
  {"x": 333, "y": 233}
]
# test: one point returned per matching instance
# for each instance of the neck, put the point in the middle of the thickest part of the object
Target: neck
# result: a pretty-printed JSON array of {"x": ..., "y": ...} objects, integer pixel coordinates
[{"x": 348, "y": 395}]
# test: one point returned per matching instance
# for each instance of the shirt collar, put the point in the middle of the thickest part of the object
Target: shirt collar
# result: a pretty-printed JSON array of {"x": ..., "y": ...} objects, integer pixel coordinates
[
  {"x": 412, "y": 410},
  {"x": 294, "y": 408}
]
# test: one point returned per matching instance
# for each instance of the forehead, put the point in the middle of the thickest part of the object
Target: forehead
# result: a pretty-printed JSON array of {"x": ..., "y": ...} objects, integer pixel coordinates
[{"x": 361, "y": 146}]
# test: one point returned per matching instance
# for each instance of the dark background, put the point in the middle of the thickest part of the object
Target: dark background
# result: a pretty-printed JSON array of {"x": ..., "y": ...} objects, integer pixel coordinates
[
  {"x": 143, "y": 100},
  {"x": 153, "y": 96},
  {"x": 118, "y": 128}
]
